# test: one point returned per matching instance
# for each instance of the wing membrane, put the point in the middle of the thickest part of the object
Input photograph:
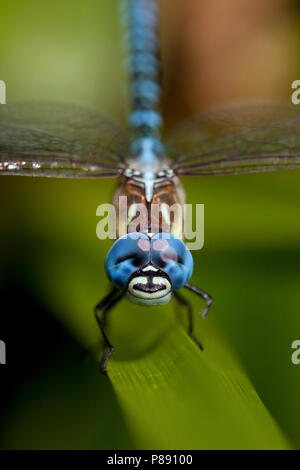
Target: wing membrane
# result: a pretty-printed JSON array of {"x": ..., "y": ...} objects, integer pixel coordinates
[
  {"x": 237, "y": 140},
  {"x": 59, "y": 140}
]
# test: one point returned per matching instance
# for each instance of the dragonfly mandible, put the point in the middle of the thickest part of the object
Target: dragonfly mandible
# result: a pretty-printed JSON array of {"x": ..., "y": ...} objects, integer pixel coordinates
[{"x": 65, "y": 141}]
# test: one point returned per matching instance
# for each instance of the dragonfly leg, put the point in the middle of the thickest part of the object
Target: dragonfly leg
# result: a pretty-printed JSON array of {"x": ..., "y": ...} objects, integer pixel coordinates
[
  {"x": 188, "y": 307},
  {"x": 204, "y": 296},
  {"x": 104, "y": 306}
]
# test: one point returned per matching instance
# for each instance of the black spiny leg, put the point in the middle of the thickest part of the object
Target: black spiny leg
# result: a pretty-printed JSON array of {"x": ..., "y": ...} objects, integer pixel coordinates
[
  {"x": 105, "y": 306},
  {"x": 204, "y": 296},
  {"x": 188, "y": 307}
]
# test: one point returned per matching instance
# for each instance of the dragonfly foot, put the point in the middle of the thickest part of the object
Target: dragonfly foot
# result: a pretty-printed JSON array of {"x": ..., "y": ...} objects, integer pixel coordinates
[
  {"x": 107, "y": 353},
  {"x": 196, "y": 341}
]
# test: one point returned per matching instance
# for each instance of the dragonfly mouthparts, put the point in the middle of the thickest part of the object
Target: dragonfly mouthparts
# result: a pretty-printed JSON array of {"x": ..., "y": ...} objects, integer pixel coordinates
[{"x": 149, "y": 287}]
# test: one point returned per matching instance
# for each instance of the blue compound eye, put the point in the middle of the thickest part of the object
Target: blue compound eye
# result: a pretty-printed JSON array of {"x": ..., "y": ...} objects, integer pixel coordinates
[
  {"x": 127, "y": 254},
  {"x": 171, "y": 255}
]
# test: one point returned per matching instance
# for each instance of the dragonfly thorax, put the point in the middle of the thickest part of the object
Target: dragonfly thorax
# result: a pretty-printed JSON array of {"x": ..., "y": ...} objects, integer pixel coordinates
[
  {"x": 148, "y": 163},
  {"x": 149, "y": 180},
  {"x": 136, "y": 213}
]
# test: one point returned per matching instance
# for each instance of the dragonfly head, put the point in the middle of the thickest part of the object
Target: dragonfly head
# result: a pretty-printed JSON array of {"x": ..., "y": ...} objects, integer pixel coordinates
[{"x": 149, "y": 268}]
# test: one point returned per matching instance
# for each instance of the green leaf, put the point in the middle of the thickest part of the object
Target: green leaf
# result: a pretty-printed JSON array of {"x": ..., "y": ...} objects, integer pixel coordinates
[{"x": 177, "y": 397}]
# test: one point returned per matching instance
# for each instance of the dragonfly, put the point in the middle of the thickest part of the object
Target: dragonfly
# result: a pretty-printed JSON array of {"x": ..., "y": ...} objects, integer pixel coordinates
[{"x": 68, "y": 141}]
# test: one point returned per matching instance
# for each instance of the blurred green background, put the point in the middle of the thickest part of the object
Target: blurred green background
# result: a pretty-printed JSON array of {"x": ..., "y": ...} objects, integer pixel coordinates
[{"x": 162, "y": 393}]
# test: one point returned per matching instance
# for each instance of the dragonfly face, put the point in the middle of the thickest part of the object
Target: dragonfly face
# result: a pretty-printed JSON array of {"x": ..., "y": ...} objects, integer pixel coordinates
[
  {"x": 149, "y": 286},
  {"x": 149, "y": 268}
]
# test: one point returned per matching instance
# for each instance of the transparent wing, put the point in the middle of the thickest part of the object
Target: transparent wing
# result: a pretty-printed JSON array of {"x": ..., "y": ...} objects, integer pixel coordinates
[
  {"x": 237, "y": 140},
  {"x": 59, "y": 140}
]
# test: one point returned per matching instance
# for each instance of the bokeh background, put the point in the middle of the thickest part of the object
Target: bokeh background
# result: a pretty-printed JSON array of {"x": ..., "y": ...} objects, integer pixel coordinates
[{"x": 162, "y": 393}]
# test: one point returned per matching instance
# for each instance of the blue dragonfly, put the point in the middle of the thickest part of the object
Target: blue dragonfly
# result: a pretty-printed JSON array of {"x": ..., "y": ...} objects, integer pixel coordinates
[{"x": 66, "y": 141}]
